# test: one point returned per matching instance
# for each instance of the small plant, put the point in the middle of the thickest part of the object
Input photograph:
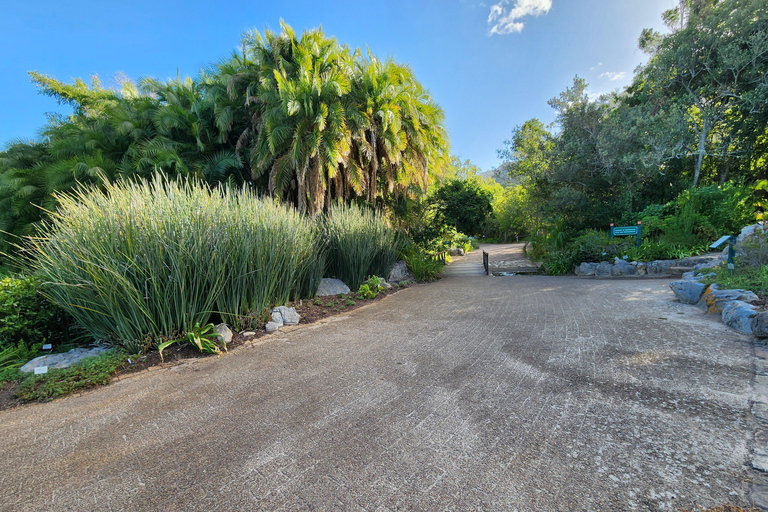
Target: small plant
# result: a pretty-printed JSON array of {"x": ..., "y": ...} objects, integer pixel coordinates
[
  {"x": 364, "y": 292},
  {"x": 374, "y": 283},
  {"x": 350, "y": 302},
  {"x": 329, "y": 304},
  {"x": 204, "y": 338},
  {"x": 318, "y": 302}
]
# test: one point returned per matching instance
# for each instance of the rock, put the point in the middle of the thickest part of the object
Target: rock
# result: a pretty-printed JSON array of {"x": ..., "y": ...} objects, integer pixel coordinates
[
  {"x": 737, "y": 314},
  {"x": 623, "y": 268},
  {"x": 759, "y": 324},
  {"x": 384, "y": 284},
  {"x": 271, "y": 327},
  {"x": 660, "y": 266},
  {"x": 289, "y": 315},
  {"x": 749, "y": 231},
  {"x": 223, "y": 333},
  {"x": 277, "y": 317},
  {"x": 63, "y": 360},
  {"x": 710, "y": 264},
  {"x": 586, "y": 269},
  {"x": 604, "y": 268},
  {"x": 331, "y": 287},
  {"x": 620, "y": 268},
  {"x": 713, "y": 300},
  {"x": 688, "y": 276},
  {"x": 400, "y": 273},
  {"x": 455, "y": 251},
  {"x": 687, "y": 291},
  {"x": 641, "y": 268}
]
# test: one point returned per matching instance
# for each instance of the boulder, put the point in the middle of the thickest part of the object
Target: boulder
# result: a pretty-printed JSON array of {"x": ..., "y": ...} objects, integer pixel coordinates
[
  {"x": 455, "y": 251},
  {"x": 624, "y": 268},
  {"x": 687, "y": 291},
  {"x": 289, "y": 315},
  {"x": 759, "y": 324},
  {"x": 331, "y": 287},
  {"x": 713, "y": 300},
  {"x": 277, "y": 318},
  {"x": 384, "y": 284},
  {"x": 63, "y": 360},
  {"x": 738, "y": 315},
  {"x": 749, "y": 231},
  {"x": 400, "y": 273},
  {"x": 660, "y": 266},
  {"x": 223, "y": 333},
  {"x": 641, "y": 268},
  {"x": 271, "y": 327},
  {"x": 604, "y": 268},
  {"x": 586, "y": 269}
]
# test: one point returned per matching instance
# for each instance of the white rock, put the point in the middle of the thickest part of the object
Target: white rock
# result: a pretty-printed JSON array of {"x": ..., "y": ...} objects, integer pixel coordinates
[{"x": 331, "y": 287}]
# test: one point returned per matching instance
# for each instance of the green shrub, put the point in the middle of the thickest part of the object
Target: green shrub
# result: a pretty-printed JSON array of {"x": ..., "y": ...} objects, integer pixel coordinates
[
  {"x": 359, "y": 244},
  {"x": 423, "y": 267},
  {"x": 29, "y": 316},
  {"x": 156, "y": 258},
  {"x": 558, "y": 263}
]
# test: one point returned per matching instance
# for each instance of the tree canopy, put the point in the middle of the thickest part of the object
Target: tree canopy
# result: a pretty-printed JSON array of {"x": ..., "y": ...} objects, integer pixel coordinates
[{"x": 301, "y": 117}]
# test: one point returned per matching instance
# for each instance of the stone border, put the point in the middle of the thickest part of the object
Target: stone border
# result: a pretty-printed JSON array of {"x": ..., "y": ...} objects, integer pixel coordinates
[{"x": 621, "y": 267}]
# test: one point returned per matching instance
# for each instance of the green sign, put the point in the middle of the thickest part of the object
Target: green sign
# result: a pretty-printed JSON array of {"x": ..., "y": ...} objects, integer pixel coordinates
[{"x": 625, "y": 231}]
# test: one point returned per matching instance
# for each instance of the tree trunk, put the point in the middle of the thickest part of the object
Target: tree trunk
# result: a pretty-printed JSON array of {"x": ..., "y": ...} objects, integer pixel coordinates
[
  {"x": 701, "y": 150},
  {"x": 724, "y": 170},
  {"x": 374, "y": 170}
]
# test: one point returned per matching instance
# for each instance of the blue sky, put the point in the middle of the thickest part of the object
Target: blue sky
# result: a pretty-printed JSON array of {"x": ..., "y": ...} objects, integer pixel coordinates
[{"x": 490, "y": 64}]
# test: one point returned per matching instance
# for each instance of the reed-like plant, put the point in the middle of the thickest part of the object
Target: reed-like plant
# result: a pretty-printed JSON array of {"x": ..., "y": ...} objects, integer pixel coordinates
[
  {"x": 157, "y": 258},
  {"x": 269, "y": 247},
  {"x": 359, "y": 244}
]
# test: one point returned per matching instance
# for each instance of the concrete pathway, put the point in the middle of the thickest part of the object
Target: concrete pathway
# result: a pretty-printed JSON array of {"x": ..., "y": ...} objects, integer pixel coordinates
[{"x": 524, "y": 393}]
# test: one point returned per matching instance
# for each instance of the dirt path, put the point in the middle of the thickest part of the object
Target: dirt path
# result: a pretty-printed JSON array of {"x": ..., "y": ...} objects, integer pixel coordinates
[{"x": 527, "y": 393}]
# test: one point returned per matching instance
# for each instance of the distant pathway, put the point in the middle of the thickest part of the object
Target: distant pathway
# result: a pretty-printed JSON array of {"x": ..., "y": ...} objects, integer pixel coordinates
[
  {"x": 502, "y": 257},
  {"x": 523, "y": 393}
]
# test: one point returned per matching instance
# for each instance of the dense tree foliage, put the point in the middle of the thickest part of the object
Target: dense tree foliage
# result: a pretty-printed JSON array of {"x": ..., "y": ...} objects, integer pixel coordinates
[
  {"x": 463, "y": 205},
  {"x": 300, "y": 117},
  {"x": 695, "y": 115}
]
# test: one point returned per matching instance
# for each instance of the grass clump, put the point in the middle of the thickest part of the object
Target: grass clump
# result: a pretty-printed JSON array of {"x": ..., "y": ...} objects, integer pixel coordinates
[
  {"x": 423, "y": 267},
  {"x": 359, "y": 244},
  {"x": 88, "y": 373},
  {"x": 744, "y": 278}
]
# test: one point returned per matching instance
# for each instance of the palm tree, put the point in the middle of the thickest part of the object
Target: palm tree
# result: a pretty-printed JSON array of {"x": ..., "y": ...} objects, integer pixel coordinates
[{"x": 301, "y": 133}]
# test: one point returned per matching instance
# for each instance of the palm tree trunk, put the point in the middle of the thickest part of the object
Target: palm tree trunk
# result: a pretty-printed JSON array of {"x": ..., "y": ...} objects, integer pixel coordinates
[{"x": 374, "y": 170}]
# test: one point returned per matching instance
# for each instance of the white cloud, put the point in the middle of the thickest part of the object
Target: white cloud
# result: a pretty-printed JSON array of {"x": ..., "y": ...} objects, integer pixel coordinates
[
  {"x": 505, "y": 19},
  {"x": 610, "y": 75},
  {"x": 595, "y": 67}
]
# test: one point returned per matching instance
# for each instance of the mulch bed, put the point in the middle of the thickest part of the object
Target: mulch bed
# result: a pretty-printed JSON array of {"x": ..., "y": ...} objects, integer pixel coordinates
[{"x": 310, "y": 310}]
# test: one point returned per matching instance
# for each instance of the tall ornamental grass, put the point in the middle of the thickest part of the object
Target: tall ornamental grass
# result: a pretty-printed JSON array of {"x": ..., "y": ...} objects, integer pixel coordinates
[
  {"x": 359, "y": 244},
  {"x": 155, "y": 258},
  {"x": 269, "y": 251}
]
